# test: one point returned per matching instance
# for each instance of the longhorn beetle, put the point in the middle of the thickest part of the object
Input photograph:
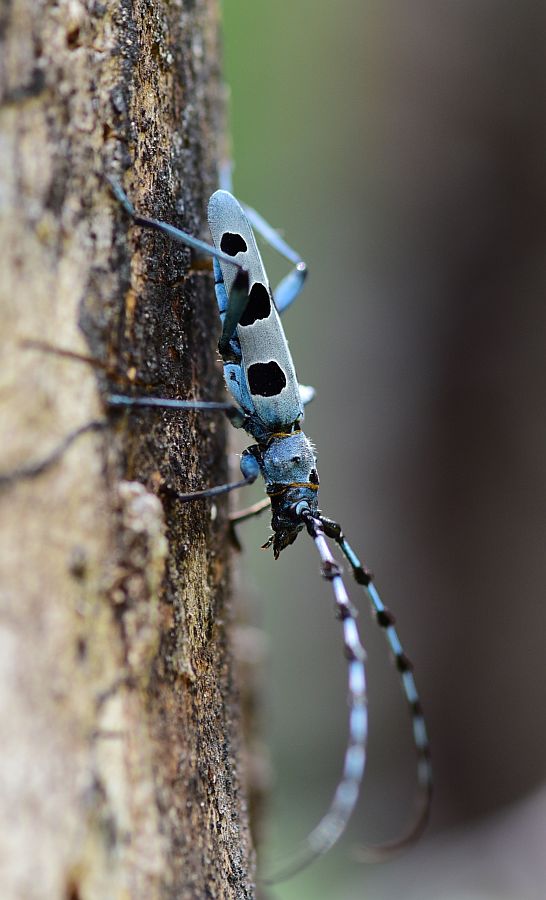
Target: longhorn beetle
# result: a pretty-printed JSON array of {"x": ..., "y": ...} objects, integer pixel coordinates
[{"x": 269, "y": 405}]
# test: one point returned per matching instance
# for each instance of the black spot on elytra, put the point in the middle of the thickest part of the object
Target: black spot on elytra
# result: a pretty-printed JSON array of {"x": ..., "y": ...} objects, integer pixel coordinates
[
  {"x": 258, "y": 306},
  {"x": 232, "y": 243},
  {"x": 266, "y": 379}
]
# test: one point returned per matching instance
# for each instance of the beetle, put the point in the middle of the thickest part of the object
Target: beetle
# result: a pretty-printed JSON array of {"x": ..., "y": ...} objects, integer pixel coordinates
[{"x": 268, "y": 403}]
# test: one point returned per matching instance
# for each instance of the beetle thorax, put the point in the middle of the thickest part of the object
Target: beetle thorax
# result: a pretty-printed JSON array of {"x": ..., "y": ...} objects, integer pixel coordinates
[{"x": 290, "y": 460}]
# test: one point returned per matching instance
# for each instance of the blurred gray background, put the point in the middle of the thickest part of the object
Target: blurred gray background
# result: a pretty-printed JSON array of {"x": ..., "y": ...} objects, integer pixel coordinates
[{"x": 401, "y": 146}]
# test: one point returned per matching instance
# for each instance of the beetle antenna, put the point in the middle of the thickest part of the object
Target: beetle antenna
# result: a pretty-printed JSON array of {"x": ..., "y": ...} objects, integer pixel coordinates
[
  {"x": 333, "y": 823},
  {"x": 386, "y": 620}
]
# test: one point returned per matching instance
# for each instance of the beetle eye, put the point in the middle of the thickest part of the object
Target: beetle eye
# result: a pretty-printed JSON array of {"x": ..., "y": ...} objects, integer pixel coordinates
[{"x": 313, "y": 476}]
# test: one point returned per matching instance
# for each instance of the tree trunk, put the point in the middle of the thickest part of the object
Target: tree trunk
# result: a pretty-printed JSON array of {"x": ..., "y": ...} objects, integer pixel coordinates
[{"x": 119, "y": 743}]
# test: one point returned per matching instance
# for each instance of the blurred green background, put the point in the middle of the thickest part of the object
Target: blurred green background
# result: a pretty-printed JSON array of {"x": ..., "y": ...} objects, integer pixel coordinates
[{"x": 400, "y": 147}]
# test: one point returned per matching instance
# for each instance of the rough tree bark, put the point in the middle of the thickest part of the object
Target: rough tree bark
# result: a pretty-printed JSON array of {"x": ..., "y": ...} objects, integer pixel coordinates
[{"x": 119, "y": 743}]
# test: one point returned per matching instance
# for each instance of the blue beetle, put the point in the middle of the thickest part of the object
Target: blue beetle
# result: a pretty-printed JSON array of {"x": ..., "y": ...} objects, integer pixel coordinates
[{"x": 269, "y": 405}]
